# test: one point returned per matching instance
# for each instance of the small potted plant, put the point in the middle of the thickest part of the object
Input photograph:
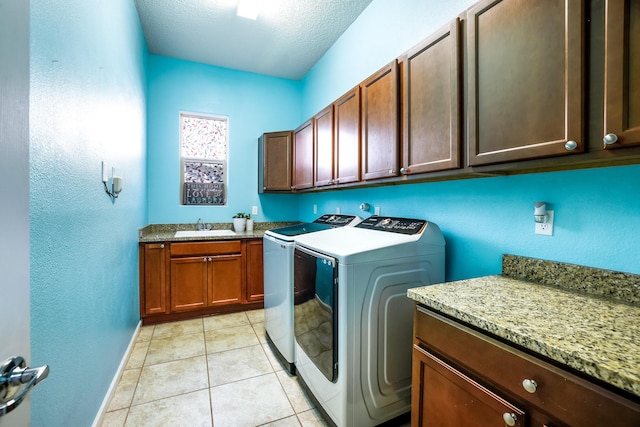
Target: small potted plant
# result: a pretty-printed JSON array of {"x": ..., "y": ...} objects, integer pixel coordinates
[
  {"x": 239, "y": 221},
  {"x": 249, "y": 222}
]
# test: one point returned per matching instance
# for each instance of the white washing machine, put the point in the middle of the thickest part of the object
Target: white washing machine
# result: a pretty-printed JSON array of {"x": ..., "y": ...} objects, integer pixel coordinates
[
  {"x": 353, "y": 321},
  {"x": 278, "y": 247}
]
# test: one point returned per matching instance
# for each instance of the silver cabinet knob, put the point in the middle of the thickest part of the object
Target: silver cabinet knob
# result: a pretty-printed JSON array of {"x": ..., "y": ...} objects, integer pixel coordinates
[
  {"x": 162, "y": 246},
  {"x": 404, "y": 170},
  {"x": 571, "y": 145},
  {"x": 530, "y": 385},
  {"x": 509, "y": 419},
  {"x": 392, "y": 172},
  {"x": 610, "y": 138},
  {"x": 204, "y": 259}
]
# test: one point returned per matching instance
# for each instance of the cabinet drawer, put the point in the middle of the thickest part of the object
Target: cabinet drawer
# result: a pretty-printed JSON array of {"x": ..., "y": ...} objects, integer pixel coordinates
[
  {"x": 206, "y": 248},
  {"x": 560, "y": 394}
]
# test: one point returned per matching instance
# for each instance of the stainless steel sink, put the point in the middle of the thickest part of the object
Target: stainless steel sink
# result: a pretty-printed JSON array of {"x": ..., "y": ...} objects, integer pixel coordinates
[{"x": 204, "y": 233}]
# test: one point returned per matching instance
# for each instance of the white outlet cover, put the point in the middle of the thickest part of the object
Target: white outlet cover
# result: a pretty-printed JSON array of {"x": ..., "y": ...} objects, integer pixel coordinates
[
  {"x": 545, "y": 228},
  {"x": 254, "y": 210},
  {"x": 376, "y": 210}
]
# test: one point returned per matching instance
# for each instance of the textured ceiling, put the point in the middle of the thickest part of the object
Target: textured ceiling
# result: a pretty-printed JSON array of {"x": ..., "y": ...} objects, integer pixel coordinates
[{"x": 286, "y": 40}]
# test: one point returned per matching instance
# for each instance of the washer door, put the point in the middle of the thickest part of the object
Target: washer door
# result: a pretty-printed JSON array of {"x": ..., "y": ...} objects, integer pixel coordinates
[{"x": 315, "y": 284}]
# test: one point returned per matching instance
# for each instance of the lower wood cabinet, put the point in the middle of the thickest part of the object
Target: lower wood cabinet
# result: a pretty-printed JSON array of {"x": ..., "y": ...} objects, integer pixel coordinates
[
  {"x": 464, "y": 377},
  {"x": 189, "y": 279}
]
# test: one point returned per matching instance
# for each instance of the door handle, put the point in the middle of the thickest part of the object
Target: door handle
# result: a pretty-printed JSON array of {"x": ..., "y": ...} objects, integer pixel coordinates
[{"x": 13, "y": 375}]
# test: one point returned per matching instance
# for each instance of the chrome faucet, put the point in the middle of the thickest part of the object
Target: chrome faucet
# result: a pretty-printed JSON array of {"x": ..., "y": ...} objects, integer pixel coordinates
[{"x": 200, "y": 224}]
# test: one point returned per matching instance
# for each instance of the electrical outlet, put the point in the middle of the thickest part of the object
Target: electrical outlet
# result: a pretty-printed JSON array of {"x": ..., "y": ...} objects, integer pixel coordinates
[
  {"x": 254, "y": 210},
  {"x": 545, "y": 228},
  {"x": 337, "y": 210},
  {"x": 376, "y": 210},
  {"x": 315, "y": 209}
]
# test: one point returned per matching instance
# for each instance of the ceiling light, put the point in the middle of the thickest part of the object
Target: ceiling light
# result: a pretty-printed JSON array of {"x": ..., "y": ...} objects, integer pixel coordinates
[{"x": 249, "y": 8}]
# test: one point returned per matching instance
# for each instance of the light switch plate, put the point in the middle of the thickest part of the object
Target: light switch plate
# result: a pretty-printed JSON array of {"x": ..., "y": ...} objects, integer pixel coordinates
[
  {"x": 545, "y": 228},
  {"x": 254, "y": 210},
  {"x": 376, "y": 210}
]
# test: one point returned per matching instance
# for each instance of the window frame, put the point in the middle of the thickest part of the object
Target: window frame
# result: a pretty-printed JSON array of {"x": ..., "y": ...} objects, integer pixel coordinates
[{"x": 185, "y": 159}]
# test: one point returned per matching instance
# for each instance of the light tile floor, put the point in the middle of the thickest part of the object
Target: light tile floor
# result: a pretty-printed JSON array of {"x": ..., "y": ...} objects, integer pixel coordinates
[{"x": 217, "y": 370}]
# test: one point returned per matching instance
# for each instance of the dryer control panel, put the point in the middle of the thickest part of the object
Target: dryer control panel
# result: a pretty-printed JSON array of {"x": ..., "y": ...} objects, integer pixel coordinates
[
  {"x": 395, "y": 225},
  {"x": 336, "y": 220}
]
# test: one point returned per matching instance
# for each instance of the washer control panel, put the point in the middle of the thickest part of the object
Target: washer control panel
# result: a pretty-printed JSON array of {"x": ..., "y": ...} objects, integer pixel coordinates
[
  {"x": 395, "y": 225},
  {"x": 336, "y": 220}
]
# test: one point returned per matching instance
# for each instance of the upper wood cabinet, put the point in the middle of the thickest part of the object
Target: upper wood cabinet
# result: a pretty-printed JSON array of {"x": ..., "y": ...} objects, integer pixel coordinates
[
  {"x": 525, "y": 79},
  {"x": 274, "y": 161},
  {"x": 431, "y": 100},
  {"x": 622, "y": 73},
  {"x": 303, "y": 156},
  {"x": 323, "y": 147},
  {"x": 347, "y": 137},
  {"x": 379, "y": 126}
]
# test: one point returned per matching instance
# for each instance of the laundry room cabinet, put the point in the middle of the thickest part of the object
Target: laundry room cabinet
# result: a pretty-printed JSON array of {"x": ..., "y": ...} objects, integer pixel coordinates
[
  {"x": 323, "y": 147},
  {"x": 622, "y": 74},
  {"x": 347, "y": 137},
  {"x": 181, "y": 280},
  {"x": 462, "y": 376},
  {"x": 431, "y": 75},
  {"x": 274, "y": 162},
  {"x": 525, "y": 79},
  {"x": 205, "y": 274},
  {"x": 303, "y": 158}
]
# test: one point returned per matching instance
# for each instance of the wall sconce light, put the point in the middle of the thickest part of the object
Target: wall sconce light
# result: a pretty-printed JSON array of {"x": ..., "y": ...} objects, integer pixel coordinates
[
  {"x": 115, "y": 188},
  {"x": 540, "y": 212}
]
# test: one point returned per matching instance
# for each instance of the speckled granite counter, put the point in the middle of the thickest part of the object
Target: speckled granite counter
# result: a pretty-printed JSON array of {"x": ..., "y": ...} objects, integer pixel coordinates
[
  {"x": 166, "y": 232},
  {"x": 567, "y": 318}
]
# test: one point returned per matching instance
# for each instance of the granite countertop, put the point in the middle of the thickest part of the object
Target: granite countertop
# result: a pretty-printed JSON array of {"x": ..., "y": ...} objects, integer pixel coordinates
[
  {"x": 166, "y": 232},
  {"x": 585, "y": 318}
]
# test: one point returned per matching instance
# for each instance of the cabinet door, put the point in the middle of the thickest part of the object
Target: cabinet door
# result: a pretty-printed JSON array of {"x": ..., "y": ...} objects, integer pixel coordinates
[
  {"x": 622, "y": 72},
  {"x": 323, "y": 139},
  {"x": 525, "y": 79},
  {"x": 347, "y": 137},
  {"x": 188, "y": 283},
  {"x": 255, "y": 271},
  {"x": 275, "y": 161},
  {"x": 226, "y": 276},
  {"x": 154, "y": 286},
  {"x": 444, "y": 397},
  {"x": 431, "y": 103},
  {"x": 303, "y": 156},
  {"x": 380, "y": 124}
]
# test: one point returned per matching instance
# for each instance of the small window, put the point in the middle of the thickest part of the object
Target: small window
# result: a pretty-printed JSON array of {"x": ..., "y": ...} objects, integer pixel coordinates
[{"x": 203, "y": 159}]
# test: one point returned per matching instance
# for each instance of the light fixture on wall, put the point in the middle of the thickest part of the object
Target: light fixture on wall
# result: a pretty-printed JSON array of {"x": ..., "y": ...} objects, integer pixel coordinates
[
  {"x": 540, "y": 212},
  {"x": 249, "y": 8},
  {"x": 115, "y": 188}
]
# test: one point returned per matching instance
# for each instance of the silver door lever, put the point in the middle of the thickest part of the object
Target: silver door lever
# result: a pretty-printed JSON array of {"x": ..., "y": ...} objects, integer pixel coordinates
[{"x": 13, "y": 374}]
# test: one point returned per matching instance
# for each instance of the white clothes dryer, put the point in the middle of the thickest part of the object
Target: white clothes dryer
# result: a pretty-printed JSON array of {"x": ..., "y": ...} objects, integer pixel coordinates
[{"x": 352, "y": 319}]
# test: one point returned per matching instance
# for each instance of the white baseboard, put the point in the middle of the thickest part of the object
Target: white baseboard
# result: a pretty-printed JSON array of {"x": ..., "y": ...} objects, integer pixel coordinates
[{"x": 114, "y": 382}]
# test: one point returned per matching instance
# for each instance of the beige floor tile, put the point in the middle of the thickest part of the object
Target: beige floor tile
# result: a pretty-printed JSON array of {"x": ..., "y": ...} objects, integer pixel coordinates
[
  {"x": 275, "y": 362},
  {"x": 297, "y": 396},
  {"x": 124, "y": 390},
  {"x": 171, "y": 379},
  {"x": 311, "y": 418},
  {"x": 222, "y": 321},
  {"x": 230, "y": 338},
  {"x": 186, "y": 410},
  {"x": 255, "y": 316},
  {"x": 173, "y": 329},
  {"x": 285, "y": 422},
  {"x": 145, "y": 334},
  {"x": 175, "y": 348},
  {"x": 115, "y": 418},
  {"x": 250, "y": 402},
  {"x": 238, "y": 364},
  {"x": 260, "y": 332},
  {"x": 138, "y": 354}
]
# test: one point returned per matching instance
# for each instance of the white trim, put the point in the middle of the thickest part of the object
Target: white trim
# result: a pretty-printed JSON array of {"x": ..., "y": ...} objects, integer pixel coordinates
[{"x": 114, "y": 382}]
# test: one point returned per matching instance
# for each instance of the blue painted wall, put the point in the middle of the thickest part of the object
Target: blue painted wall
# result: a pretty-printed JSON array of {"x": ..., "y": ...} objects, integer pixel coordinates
[
  {"x": 597, "y": 210},
  {"x": 88, "y": 86},
  {"x": 253, "y": 103}
]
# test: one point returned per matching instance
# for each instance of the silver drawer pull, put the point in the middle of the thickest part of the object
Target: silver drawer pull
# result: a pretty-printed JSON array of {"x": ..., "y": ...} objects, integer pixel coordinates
[
  {"x": 530, "y": 385},
  {"x": 509, "y": 419},
  {"x": 13, "y": 373}
]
